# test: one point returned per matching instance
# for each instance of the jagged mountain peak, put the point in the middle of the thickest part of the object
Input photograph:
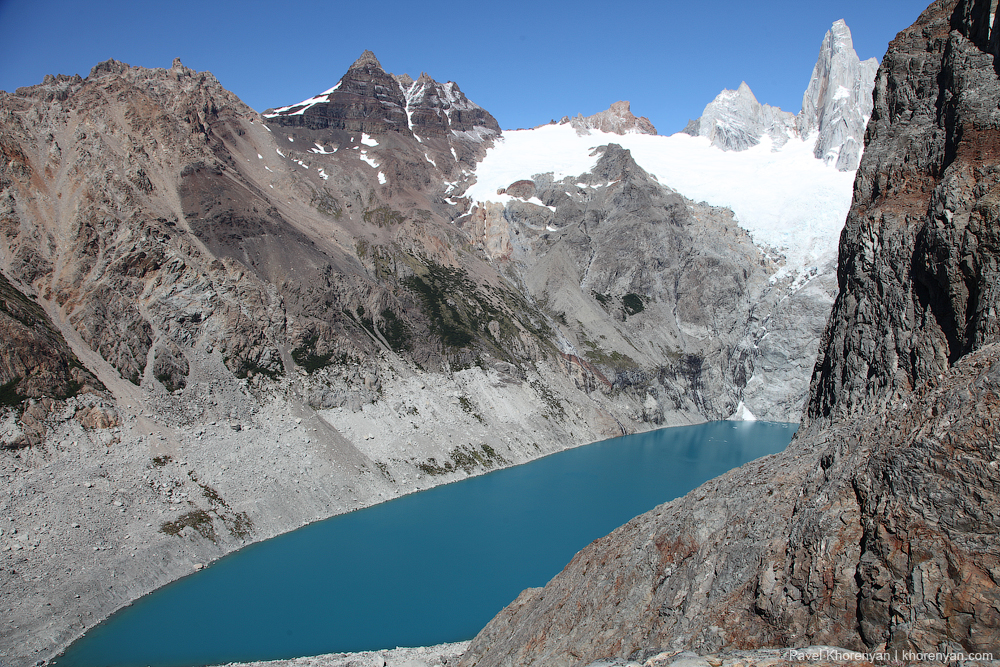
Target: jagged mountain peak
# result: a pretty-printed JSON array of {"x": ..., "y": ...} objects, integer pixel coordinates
[
  {"x": 742, "y": 91},
  {"x": 436, "y": 108},
  {"x": 404, "y": 80},
  {"x": 109, "y": 66},
  {"x": 840, "y": 35},
  {"x": 366, "y": 60},
  {"x": 838, "y": 100},
  {"x": 736, "y": 121},
  {"x": 837, "y": 103},
  {"x": 368, "y": 99}
]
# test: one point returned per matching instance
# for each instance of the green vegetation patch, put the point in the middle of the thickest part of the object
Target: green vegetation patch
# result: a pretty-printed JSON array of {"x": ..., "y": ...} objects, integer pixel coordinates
[
  {"x": 396, "y": 331},
  {"x": 383, "y": 216},
  {"x": 442, "y": 291},
  {"x": 237, "y": 523},
  {"x": 603, "y": 299},
  {"x": 167, "y": 380},
  {"x": 200, "y": 520},
  {"x": 466, "y": 457},
  {"x": 246, "y": 367},
  {"x": 9, "y": 395},
  {"x": 381, "y": 259},
  {"x": 632, "y": 303},
  {"x": 460, "y": 313},
  {"x": 327, "y": 204},
  {"x": 470, "y": 408},
  {"x": 384, "y": 468},
  {"x": 306, "y": 356},
  {"x": 553, "y": 405},
  {"x": 615, "y": 360}
]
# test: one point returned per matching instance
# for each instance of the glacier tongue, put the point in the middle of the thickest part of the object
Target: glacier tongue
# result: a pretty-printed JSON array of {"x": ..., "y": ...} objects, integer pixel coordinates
[{"x": 791, "y": 203}]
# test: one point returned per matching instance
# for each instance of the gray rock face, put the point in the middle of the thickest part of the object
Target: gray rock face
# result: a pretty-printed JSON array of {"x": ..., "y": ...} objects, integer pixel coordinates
[
  {"x": 736, "y": 121},
  {"x": 876, "y": 528},
  {"x": 892, "y": 330},
  {"x": 838, "y": 101},
  {"x": 659, "y": 296},
  {"x": 835, "y": 106}
]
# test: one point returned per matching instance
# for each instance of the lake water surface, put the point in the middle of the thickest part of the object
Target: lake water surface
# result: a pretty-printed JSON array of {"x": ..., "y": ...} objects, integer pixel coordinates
[{"x": 423, "y": 569}]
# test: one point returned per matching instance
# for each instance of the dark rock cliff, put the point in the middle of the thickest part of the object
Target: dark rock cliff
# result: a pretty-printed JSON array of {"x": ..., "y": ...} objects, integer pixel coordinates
[
  {"x": 877, "y": 527},
  {"x": 918, "y": 269},
  {"x": 366, "y": 99}
]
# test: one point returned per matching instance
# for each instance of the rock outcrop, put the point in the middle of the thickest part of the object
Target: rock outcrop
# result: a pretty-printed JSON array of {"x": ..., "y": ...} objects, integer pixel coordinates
[
  {"x": 924, "y": 202},
  {"x": 691, "y": 319},
  {"x": 876, "y": 528},
  {"x": 616, "y": 119},
  {"x": 435, "y": 109},
  {"x": 835, "y": 106},
  {"x": 370, "y": 100},
  {"x": 366, "y": 99}
]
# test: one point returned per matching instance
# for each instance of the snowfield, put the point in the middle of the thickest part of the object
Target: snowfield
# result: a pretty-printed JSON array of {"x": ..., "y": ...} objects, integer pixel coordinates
[{"x": 786, "y": 199}]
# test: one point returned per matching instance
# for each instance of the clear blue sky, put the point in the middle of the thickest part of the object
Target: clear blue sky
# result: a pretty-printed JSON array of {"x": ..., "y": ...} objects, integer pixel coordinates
[{"x": 525, "y": 62}]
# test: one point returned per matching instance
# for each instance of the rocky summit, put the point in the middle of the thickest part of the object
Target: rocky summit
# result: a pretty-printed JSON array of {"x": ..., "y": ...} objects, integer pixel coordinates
[
  {"x": 876, "y": 529},
  {"x": 835, "y": 107},
  {"x": 616, "y": 119}
]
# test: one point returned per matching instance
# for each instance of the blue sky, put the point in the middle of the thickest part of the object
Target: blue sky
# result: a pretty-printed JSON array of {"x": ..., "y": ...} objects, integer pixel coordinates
[{"x": 525, "y": 62}]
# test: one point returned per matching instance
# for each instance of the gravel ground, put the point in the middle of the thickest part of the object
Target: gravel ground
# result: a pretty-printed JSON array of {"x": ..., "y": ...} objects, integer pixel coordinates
[{"x": 441, "y": 655}]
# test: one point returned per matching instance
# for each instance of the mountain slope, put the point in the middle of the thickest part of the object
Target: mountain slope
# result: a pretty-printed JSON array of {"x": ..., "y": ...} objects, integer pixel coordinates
[
  {"x": 876, "y": 528},
  {"x": 287, "y": 316}
]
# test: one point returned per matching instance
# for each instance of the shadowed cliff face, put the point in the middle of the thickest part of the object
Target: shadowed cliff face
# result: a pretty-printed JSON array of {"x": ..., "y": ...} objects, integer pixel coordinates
[{"x": 876, "y": 528}]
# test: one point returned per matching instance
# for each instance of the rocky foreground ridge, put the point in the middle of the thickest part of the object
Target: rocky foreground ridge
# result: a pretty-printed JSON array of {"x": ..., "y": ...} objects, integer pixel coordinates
[
  {"x": 225, "y": 324},
  {"x": 877, "y": 528}
]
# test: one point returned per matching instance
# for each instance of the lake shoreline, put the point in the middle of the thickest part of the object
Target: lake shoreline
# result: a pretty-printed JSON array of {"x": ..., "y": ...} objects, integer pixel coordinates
[
  {"x": 426, "y": 582},
  {"x": 440, "y": 655}
]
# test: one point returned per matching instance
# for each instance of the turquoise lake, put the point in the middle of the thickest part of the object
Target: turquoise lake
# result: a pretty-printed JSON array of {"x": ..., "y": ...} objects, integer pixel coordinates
[{"x": 423, "y": 569}]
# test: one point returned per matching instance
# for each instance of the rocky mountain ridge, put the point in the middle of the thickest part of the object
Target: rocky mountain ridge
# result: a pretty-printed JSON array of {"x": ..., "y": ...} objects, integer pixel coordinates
[
  {"x": 243, "y": 322},
  {"x": 836, "y": 106},
  {"x": 875, "y": 529},
  {"x": 229, "y": 324}
]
